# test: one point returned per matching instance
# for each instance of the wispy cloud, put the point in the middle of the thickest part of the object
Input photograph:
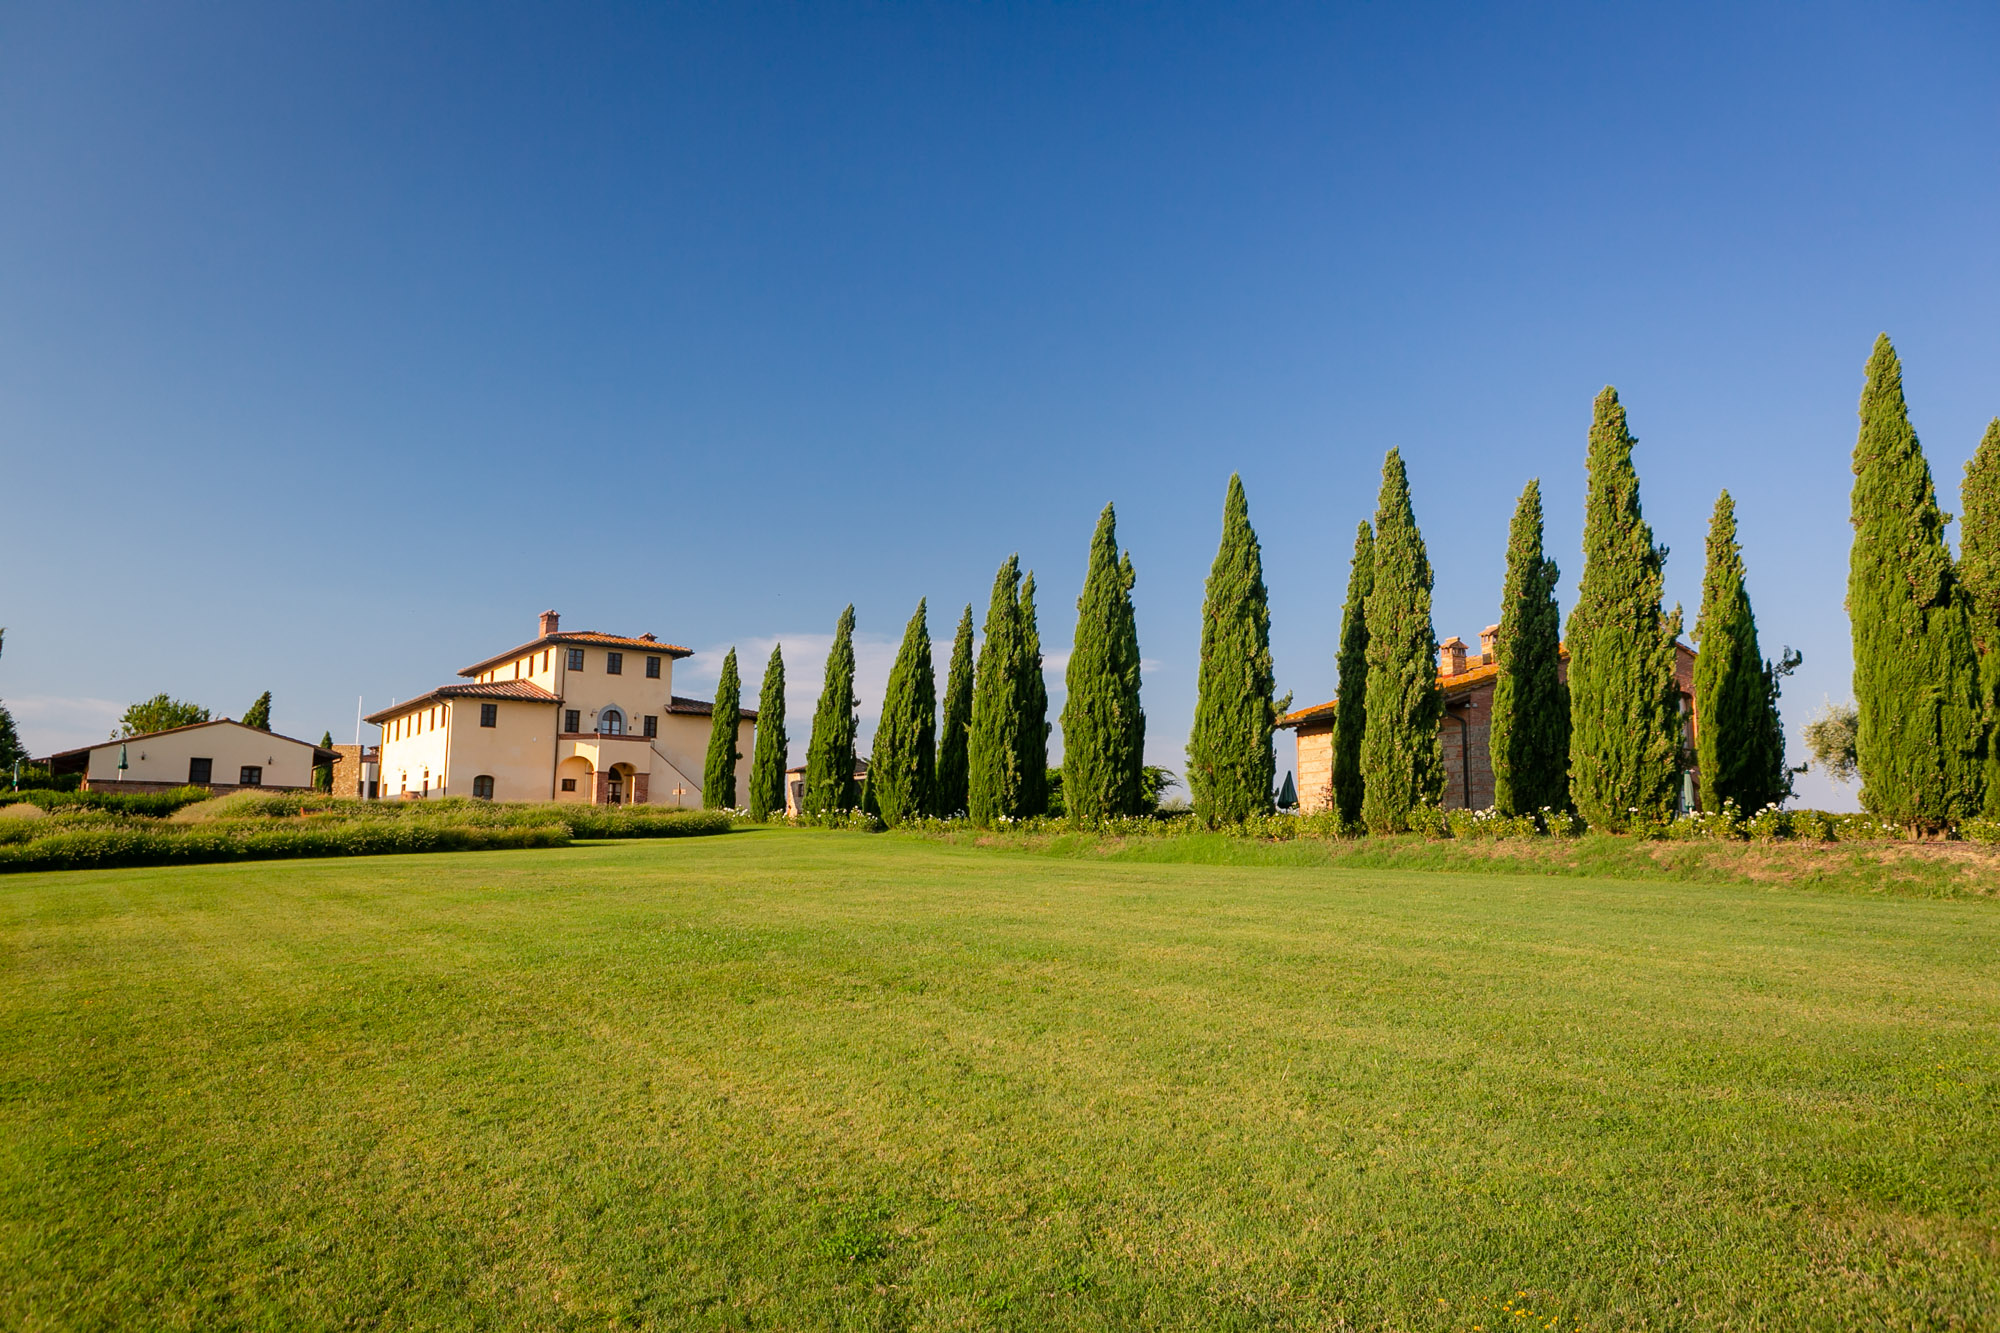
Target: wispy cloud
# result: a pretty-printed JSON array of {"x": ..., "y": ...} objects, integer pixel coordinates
[{"x": 52, "y": 722}]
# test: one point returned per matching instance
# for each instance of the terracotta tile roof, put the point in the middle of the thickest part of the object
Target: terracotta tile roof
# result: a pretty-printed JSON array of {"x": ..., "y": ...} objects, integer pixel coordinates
[
  {"x": 706, "y": 708},
  {"x": 519, "y": 690},
  {"x": 645, "y": 643}
]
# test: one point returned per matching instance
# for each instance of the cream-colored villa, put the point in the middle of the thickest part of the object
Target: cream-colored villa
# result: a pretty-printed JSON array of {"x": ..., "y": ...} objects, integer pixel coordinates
[{"x": 568, "y": 716}]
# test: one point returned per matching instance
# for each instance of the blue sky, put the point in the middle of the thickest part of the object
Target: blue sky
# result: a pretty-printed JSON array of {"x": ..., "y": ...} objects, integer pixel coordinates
[{"x": 338, "y": 341}]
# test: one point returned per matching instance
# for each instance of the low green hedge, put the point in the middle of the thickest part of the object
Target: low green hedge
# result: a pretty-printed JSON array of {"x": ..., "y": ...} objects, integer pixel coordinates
[
  {"x": 130, "y": 803},
  {"x": 134, "y": 845}
]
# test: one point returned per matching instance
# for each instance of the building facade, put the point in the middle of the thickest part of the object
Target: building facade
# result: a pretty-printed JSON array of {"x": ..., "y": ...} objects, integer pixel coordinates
[
  {"x": 1466, "y": 731},
  {"x": 222, "y": 755},
  {"x": 568, "y": 716}
]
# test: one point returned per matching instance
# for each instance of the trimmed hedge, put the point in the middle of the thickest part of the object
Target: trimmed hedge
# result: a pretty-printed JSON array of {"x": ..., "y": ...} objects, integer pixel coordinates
[{"x": 93, "y": 848}]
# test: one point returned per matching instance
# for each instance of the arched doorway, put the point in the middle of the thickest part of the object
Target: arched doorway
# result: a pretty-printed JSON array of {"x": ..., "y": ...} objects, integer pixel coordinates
[{"x": 619, "y": 785}]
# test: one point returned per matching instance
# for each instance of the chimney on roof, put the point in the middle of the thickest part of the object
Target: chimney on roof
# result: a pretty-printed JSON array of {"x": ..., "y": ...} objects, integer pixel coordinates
[
  {"x": 1487, "y": 638},
  {"x": 549, "y": 621},
  {"x": 1451, "y": 657}
]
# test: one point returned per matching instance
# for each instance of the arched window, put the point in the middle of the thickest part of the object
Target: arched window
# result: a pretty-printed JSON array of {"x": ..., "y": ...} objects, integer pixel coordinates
[
  {"x": 482, "y": 787},
  {"x": 611, "y": 722}
]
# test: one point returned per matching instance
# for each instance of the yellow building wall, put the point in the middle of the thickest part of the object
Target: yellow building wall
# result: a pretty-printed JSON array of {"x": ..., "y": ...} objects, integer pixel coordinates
[
  {"x": 164, "y": 758},
  {"x": 591, "y": 690},
  {"x": 684, "y": 740},
  {"x": 415, "y": 748},
  {"x": 517, "y": 752}
]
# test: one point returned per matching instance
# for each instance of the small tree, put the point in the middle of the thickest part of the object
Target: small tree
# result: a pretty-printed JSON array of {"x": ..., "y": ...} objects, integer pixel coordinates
[
  {"x": 1104, "y": 729},
  {"x": 903, "y": 770},
  {"x": 1829, "y": 738},
  {"x": 323, "y": 773},
  {"x": 1739, "y": 740},
  {"x": 1350, "y": 715},
  {"x": 830, "y": 785},
  {"x": 1401, "y": 756},
  {"x": 1979, "y": 574},
  {"x": 956, "y": 728},
  {"x": 994, "y": 781},
  {"x": 1916, "y": 672},
  {"x": 1529, "y": 738},
  {"x": 158, "y": 713},
  {"x": 259, "y": 713},
  {"x": 718, "y": 772},
  {"x": 770, "y": 749},
  {"x": 1033, "y": 736},
  {"x": 1231, "y": 766},
  {"x": 1624, "y": 699}
]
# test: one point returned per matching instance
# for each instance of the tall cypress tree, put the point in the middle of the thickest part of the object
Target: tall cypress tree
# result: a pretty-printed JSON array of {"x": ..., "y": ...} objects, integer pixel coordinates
[
  {"x": 1916, "y": 672},
  {"x": 718, "y": 774},
  {"x": 1033, "y": 736},
  {"x": 1739, "y": 743},
  {"x": 1402, "y": 760},
  {"x": 1529, "y": 738},
  {"x": 902, "y": 773},
  {"x": 771, "y": 748},
  {"x": 830, "y": 785},
  {"x": 1350, "y": 714},
  {"x": 322, "y": 773},
  {"x": 955, "y": 729},
  {"x": 1231, "y": 767},
  {"x": 993, "y": 751},
  {"x": 1104, "y": 731},
  {"x": 259, "y": 713},
  {"x": 1624, "y": 702},
  {"x": 1979, "y": 575}
]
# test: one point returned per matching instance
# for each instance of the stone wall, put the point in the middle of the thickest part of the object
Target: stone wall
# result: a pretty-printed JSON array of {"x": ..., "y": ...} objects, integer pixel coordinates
[{"x": 1315, "y": 777}]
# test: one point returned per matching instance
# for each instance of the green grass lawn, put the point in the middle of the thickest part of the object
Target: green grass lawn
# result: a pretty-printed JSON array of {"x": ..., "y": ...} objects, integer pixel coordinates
[{"x": 794, "y": 1080}]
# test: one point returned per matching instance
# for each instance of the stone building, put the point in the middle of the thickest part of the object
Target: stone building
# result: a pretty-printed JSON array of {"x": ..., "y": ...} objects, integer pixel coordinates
[{"x": 1467, "y": 682}]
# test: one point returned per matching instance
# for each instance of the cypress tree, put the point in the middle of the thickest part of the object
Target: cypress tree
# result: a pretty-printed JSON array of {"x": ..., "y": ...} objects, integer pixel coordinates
[
  {"x": 1916, "y": 672},
  {"x": 1350, "y": 714},
  {"x": 830, "y": 786},
  {"x": 1529, "y": 739},
  {"x": 1979, "y": 575},
  {"x": 718, "y": 775},
  {"x": 771, "y": 748},
  {"x": 1624, "y": 702},
  {"x": 322, "y": 773},
  {"x": 1033, "y": 736},
  {"x": 1231, "y": 767},
  {"x": 993, "y": 750},
  {"x": 956, "y": 727},
  {"x": 1739, "y": 741},
  {"x": 903, "y": 770},
  {"x": 1104, "y": 730},
  {"x": 1402, "y": 760},
  {"x": 259, "y": 713}
]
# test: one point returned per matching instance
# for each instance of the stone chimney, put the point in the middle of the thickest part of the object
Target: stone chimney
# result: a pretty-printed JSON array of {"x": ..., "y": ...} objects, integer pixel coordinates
[
  {"x": 1451, "y": 657},
  {"x": 549, "y": 621},
  {"x": 1487, "y": 638}
]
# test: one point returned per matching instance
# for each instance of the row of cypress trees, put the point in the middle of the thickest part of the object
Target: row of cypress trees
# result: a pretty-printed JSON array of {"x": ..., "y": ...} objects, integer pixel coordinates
[
  {"x": 987, "y": 755},
  {"x": 1607, "y": 741}
]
